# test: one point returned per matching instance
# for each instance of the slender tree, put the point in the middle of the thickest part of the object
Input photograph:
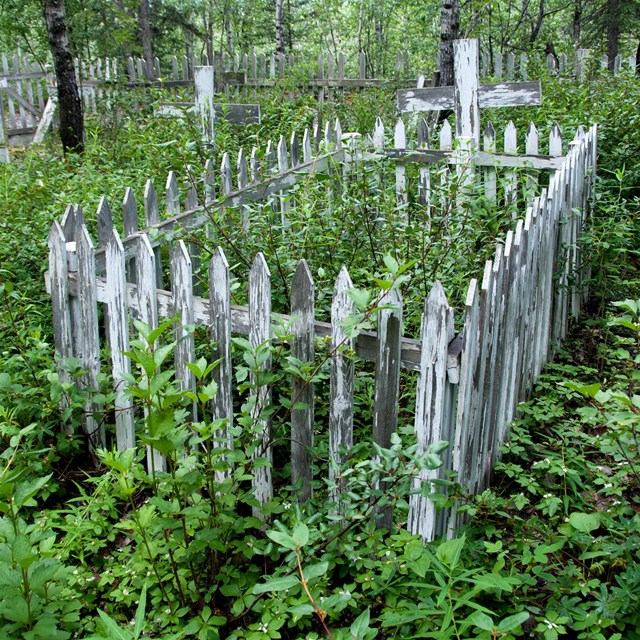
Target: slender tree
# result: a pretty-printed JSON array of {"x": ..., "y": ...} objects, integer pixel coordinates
[
  {"x": 279, "y": 26},
  {"x": 145, "y": 35},
  {"x": 449, "y": 31},
  {"x": 69, "y": 103}
]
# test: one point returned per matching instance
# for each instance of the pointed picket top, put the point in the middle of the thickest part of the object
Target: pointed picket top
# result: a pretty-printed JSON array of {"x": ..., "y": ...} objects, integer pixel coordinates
[
  {"x": 445, "y": 136},
  {"x": 317, "y": 136},
  {"x": 400, "y": 135},
  {"x": 172, "y": 195},
  {"x": 532, "y": 140},
  {"x": 269, "y": 158},
  {"x": 511, "y": 64},
  {"x": 225, "y": 174},
  {"x": 146, "y": 281},
  {"x": 191, "y": 191},
  {"x": 327, "y": 133},
  {"x": 307, "y": 153},
  {"x": 72, "y": 220},
  {"x": 510, "y": 138},
  {"x": 524, "y": 67},
  {"x": 130, "y": 213},
  {"x": 283, "y": 158},
  {"x": 295, "y": 150},
  {"x": 243, "y": 177},
  {"x": 489, "y": 143},
  {"x": 579, "y": 134},
  {"x": 337, "y": 132},
  {"x": 151, "y": 214},
  {"x": 378, "y": 134},
  {"x": 209, "y": 181},
  {"x": 105, "y": 222},
  {"x": 423, "y": 134},
  {"x": 555, "y": 140},
  {"x": 254, "y": 165}
]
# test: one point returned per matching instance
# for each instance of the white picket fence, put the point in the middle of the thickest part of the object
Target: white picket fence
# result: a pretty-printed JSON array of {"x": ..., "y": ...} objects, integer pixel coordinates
[{"x": 469, "y": 382}]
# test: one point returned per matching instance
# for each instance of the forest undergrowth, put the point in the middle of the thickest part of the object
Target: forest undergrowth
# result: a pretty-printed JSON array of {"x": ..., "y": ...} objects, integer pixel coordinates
[{"x": 101, "y": 548}]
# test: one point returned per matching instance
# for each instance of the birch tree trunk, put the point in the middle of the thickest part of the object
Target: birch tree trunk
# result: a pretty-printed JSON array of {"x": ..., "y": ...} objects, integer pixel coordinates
[
  {"x": 449, "y": 31},
  {"x": 279, "y": 26},
  {"x": 70, "y": 105}
]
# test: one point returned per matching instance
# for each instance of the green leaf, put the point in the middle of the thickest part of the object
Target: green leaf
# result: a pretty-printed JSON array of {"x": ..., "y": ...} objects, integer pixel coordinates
[
  {"x": 277, "y": 584},
  {"x": 449, "y": 552},
  {"x": 360, "y": 625},
  {"x": 413, "y": 550},
  {"x": 139, "y": 620},
  {"x": 585, "y": 522},
  {"x": 360, "y": 298},
  {"x": 482, "y": 621},
  {"x": 113, "y": 629},
  {"x": 301, "y": 534},
  {"x": 316, "y": 570},
  {"x": 513, "y": 622},
  {"x": 283, "y": 539},
  {"x": 391, "y": 263}
]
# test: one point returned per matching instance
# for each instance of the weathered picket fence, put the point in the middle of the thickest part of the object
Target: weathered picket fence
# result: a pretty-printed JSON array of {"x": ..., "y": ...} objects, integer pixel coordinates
[{"x": 469, "y": 381}]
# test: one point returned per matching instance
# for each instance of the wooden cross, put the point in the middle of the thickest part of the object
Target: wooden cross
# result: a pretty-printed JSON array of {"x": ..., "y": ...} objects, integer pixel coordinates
[
  {"x": 206, "y": 109},
  {"x": 468, "y": 96}
]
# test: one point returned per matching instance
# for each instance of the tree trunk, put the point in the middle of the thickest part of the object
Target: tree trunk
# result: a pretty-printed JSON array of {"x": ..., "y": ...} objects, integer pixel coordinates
[
  {"x": 577, "y": 22},
  {"x": 638, "y": 59},
  {"x": 449, "y": 31},
  {"x": 145, "y": 36},
  {"x": 279, "y": 26},
  {"x": 70, "y": 105},
  {"x": 613, "y": 30}
]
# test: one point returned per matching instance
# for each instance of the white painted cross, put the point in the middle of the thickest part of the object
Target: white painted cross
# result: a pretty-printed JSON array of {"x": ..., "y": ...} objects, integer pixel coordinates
[
  {"x": 468, "y": 96},
  {"x": 206, "y": 109}
]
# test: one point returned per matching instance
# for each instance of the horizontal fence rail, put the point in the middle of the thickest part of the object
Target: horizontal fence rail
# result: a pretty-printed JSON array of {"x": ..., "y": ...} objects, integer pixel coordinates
[{"x": 469, "y": 381}]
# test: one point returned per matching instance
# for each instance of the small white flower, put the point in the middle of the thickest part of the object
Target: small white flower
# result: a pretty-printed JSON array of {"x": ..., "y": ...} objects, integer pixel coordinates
[
  {"x": 550, "y": 625},
  {"x": 125, "y": 592},
  {"x": 345, "y": 593},
  {"x": 262, "y": 627}
]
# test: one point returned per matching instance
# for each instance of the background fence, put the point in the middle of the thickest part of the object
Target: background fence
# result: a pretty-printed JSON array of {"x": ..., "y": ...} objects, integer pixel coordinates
[{"x": 468, "y": 383}]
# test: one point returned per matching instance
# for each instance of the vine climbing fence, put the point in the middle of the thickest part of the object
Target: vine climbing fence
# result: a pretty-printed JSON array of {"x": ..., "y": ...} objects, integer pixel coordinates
[{"x": 469, "y": 373}]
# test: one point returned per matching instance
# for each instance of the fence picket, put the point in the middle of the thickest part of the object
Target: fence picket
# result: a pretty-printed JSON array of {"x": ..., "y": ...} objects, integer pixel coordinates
[
  {"x": 341, "y": 385},
  {"x": 510, "y": 176},
  {"x": 430, "y": 396},
  {"x": 302, "y": 390},
  {"x": 220, "y": 331},
  {"x": 385, "y": 408},
  {"x": 118, "y": 327},
  {"x": 87, "y": 340},
  {"x": 260, "y": 335}
]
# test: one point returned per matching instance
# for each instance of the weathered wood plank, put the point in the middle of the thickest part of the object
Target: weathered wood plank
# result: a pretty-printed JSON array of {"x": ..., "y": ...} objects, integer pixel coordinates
[
  {"x": 87, "y": 341},
  {"x": 60, "y": 307},
  {"x": 260, "y": 338},
  {"x": 118, "y": 328},
  {"x": 302, "y": 390},
  {"x": 502, "y": 94},
  {"x": 341, "y": 385},
  {"x": 385, "y": 408},
  {"x": 430, "y": 395},
  {"x": 220, "y": 331}
]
